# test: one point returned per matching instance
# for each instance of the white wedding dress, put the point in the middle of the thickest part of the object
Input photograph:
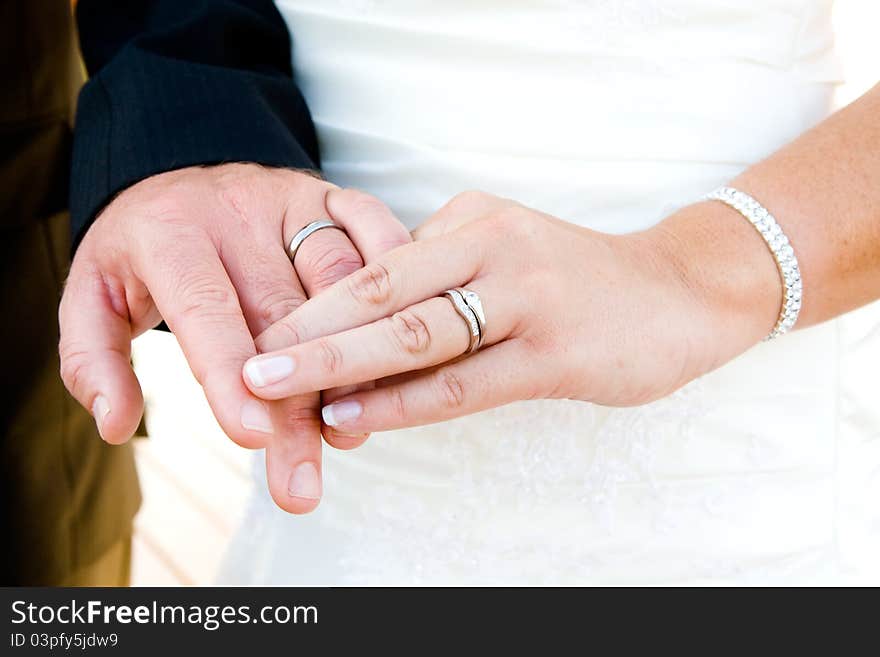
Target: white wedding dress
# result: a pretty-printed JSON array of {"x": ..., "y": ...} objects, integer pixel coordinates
[{"x": 609, "y": 114}]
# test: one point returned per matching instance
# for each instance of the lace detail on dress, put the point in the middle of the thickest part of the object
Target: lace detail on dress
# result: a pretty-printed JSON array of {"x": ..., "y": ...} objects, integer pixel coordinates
[
  {"x": 536, "y": 467},
  {"x": 626, "y": 449}
]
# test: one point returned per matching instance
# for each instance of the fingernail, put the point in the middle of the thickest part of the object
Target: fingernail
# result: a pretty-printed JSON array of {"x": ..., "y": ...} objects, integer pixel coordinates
[
  {"x": 100, "y": 411},
  {"x": 264, "y": 371},
  {"x": 305, "y": 482},
  {"x": 255, "y": 416},
  {"x": 345, "y": 411}
]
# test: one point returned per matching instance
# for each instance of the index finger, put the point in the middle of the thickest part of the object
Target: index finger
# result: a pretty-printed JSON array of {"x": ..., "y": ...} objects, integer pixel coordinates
[
  {"x": 402, "y": 277},
  {"x": 197, "y": 300}
]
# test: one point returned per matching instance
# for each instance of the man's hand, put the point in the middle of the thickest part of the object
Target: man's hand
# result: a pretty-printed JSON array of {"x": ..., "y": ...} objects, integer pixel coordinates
[{"x": 204, "y": 248}]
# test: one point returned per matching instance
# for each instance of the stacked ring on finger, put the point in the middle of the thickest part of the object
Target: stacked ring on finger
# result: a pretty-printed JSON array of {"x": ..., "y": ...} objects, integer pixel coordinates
[
  {"x": 467, "y": 304},
  {"x": 472, "y": 299}
]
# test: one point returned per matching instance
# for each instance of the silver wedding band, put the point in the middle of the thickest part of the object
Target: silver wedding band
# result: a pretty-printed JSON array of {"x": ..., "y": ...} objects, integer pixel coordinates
[
  {"x": 307, "y": 230},
  {"x": 469, "y": 307}
]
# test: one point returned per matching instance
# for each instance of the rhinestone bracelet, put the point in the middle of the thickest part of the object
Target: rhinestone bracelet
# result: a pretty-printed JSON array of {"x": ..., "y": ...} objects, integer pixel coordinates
[{"x": 786, "y": 261}]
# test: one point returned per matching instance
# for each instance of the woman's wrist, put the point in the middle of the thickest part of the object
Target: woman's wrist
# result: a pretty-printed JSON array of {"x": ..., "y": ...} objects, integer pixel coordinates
[{"x": 725, "y": 265}]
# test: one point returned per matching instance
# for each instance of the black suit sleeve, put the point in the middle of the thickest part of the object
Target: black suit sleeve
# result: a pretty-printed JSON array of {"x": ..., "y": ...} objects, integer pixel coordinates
[{"x": 176, "y": 83}]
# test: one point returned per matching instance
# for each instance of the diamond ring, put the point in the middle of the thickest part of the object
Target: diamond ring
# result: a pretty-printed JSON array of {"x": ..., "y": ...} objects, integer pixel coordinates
[{"x": 468, "y": 305}]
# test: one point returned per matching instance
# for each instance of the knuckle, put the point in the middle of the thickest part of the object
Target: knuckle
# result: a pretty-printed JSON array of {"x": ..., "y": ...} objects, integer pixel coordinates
[
  {"x": 325, "y": 267},
  {"x": 330, "y": 355},
  {"x": 396, "y": 403},
  {"x": 200, "y": 293},
  {"x": 515, "y": 225},
  {"x": 450, "y": 387},
  {"x": 468, "y": 198},
  {"x": 284, "y": 333},
  {"x": 161, "y": 249},
  {"x": 371, "y": 285},
  {"x": 273, "y": 304},
  {"x": 410, "y": 332},
  {"x": 363, "y": 203},
  {"x": 515, "y": 222},
  {"x": 74, "y": 361},
  {"x": 297, "y": 414}
]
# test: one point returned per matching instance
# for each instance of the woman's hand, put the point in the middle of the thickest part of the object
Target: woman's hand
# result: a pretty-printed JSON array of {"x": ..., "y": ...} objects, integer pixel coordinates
[
  {"x": 571, "y": 313},
  {"x": 574, "y": 313}
]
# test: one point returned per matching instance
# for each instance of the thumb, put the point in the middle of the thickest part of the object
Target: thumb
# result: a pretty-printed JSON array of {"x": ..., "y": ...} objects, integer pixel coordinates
[{"x": 95, "y": 351}]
